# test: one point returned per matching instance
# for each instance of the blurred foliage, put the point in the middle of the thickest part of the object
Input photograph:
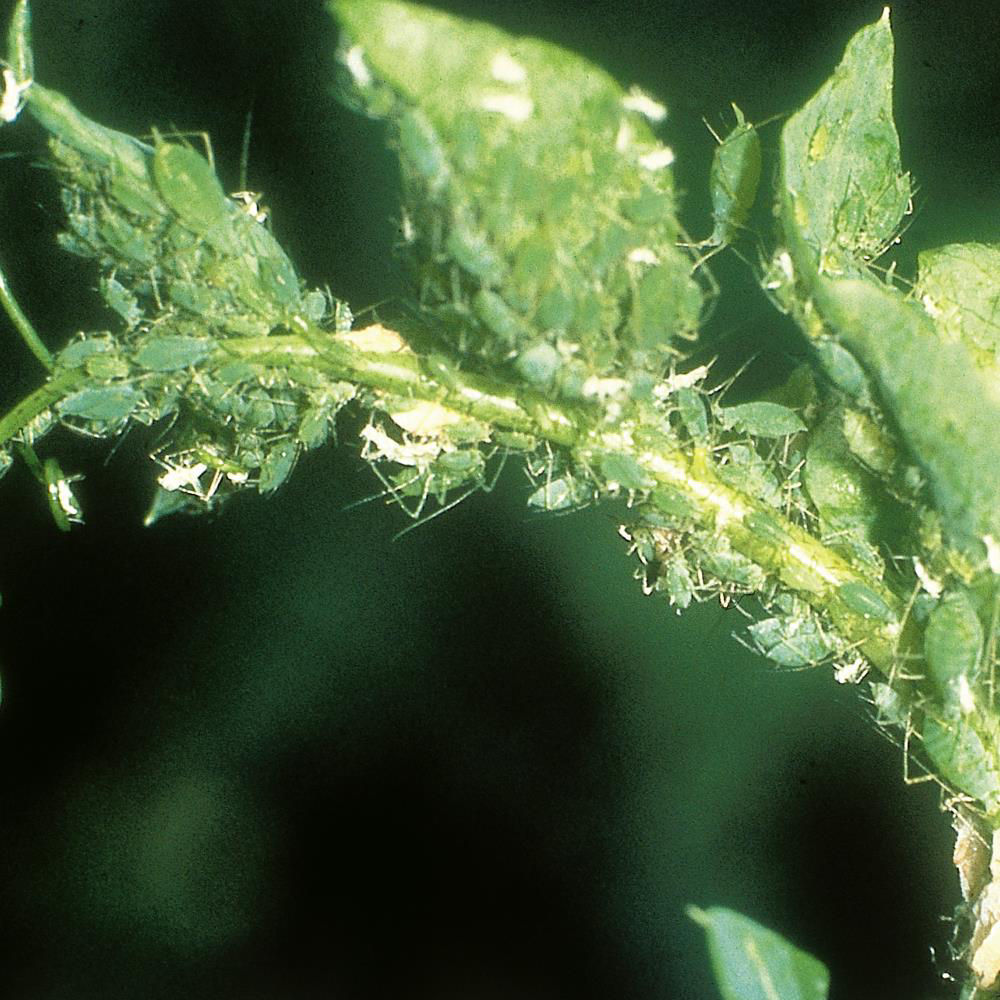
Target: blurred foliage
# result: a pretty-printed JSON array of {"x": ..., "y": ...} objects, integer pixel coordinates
[{"x": 272, "y": 749}]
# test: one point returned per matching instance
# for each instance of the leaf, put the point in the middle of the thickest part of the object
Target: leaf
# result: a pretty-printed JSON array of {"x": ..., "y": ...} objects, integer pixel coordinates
[
  {"x": 843, "y": 189},
  {"x": 762, "y": 419},
  {"x": 959, "y": 285},
  {"x": 751, "y": 962},
  {"x": 540, "y": 204},
  {"x": 945, "y": 408}
]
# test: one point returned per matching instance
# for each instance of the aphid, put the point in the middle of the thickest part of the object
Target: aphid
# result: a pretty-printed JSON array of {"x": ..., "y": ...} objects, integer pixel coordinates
[
  {"x": 104, "y": 405},
  {"x": 762, "y": 419},
  {"x": 862, "y": 600},
  {"x": 733, "y": 182},
  {"x": 169, "y": 354},
  {"x": 421, "y": 148},
  {"x": 959, "y": 755},
  {"x": 189, "y": 186},
  {"x": 953, "y": 644},
  {"x": 63, "y": 503},
  {"x": 792, "y": 640},
  {"x": 691, "y": 406},
  {"x": 277, "y": 466}
]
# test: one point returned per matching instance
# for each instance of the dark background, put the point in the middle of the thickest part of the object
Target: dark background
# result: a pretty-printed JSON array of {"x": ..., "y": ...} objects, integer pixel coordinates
[{"x": 275, "y": 753}]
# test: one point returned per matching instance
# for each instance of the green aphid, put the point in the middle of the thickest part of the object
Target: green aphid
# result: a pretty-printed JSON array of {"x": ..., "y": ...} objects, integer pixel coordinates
[
  {"x": 563, "y": 493},
  {"x": 539, "y": 364},
  {"x": 78, "y": 352},
  {"x": 452, "y": 469},
  {"x": 472, "y": 251},
  {"x": 733, "y": 180},
  {"x": 958, "y": 752},
  {"x": 277, "y": 275},
  {"x": 868, "y": 442},
  {"x": 762, "y": 419},
  {"x": 106, "y": 405},
  {"x": 121, "y": 300},
  {"x": 843, "y": 369},
  {"x": 421, "y": 149},
  {"x": 747, "y": 472},
  {"x": 198, "y": 299},
  {"x": 732, "y": 567},
  {"x": 189, "y": 186},
  {"x": 498, "y": 317},
  {"x": 862, "y": 600},
  {"x": 624, "y": 472},
  {"x": 694, "y": 416},
  {"x": 277, "y": 466},
  {"x": 953, "y": 644},
  {"x": 169, "y": 354},
  {"x": 675, "y": 577},
  {"x": 792, "y": 640}
]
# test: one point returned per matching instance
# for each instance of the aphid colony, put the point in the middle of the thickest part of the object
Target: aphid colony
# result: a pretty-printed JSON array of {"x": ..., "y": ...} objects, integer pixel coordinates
[
  {"x": 185, "y": 268},
  {"x": 539, "y": 221}
]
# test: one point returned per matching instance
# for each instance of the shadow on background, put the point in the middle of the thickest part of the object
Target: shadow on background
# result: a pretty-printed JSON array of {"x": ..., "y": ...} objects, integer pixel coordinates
[{"x": 276, "y": 754}]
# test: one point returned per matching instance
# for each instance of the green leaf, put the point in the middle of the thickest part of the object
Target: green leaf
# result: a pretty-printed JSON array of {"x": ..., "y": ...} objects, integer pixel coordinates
[
  {"x": 540, "y": 204},
  {"x": 762, "y": 419},
  {"x": 959, "y": 285},
  {"x": 843, "y": 189},
  {"x": 751, "y": 962},
  {"x": 945, "y": 407}
]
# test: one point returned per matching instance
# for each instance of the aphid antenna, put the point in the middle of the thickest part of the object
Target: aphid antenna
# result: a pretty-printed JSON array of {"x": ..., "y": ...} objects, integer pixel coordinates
[
  {"x": 245, "y": 146},
  {"x": 184, "y": 134},
  {"x": 420, "y": 521}
]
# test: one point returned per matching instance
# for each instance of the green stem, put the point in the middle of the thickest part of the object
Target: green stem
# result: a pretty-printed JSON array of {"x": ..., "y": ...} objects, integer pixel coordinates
[
  {"x": 58, "y": 387},
  {"x": 801, "y": 562},
  {"x": 23, "y": 324},
  {"x": 790, "y": 554}
]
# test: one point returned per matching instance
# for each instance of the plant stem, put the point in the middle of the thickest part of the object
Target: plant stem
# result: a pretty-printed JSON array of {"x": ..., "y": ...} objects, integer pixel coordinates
[
  {"x": 23, "y": 325},
  {"x": 59, "y": 386},
  {"x": 786, "y": 551}
]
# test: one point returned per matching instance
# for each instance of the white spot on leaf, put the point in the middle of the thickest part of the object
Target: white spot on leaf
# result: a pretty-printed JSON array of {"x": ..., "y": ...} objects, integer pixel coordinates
[
  {"x": 657, "y": 159},
  {"x": 643, "y": 104},
  {"x": 506, "y": 69},
  {"x": 513, "y": 106}
]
